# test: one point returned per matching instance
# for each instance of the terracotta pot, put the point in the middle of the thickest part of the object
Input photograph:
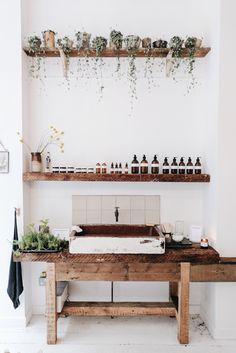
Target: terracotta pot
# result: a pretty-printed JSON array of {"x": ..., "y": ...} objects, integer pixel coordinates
[
  {"x": 36, "y": 162},
  {"x": 49, "y": 39}
]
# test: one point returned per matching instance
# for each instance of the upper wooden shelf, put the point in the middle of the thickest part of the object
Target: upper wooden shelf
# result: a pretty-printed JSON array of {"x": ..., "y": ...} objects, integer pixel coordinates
[
  {"x": 173, "y": 178},
  {"x": 109, "y": 53}
]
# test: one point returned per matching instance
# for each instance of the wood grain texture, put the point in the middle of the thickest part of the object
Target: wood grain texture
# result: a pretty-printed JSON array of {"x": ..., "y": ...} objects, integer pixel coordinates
[
  {"x": 213, "y": 273},
  {"x": 117, "y": 309},
  {"x": 193, "y": 255},
  {"x": 163, "y": 178},
  {"x": 51, "y": 304},
  {"x": 108, "y": 53},
  {"x": 183, "y": 304},
  {"x": 117, "y": 272}
]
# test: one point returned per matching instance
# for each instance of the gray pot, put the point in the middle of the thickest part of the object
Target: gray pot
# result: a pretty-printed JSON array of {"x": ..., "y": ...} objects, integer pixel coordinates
[
  {"x": 146, "y": 43},
  {"x": 132, "y": 42},
  {"x": 83, "y": 40}
]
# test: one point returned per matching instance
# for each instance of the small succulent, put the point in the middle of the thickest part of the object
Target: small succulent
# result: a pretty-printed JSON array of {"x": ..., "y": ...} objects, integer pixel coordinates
[
  {"x": 116, "y": 39},
  {"x": 160, "y": 43},
  {"x": 99, "y": 44},
  {"x": 34, "y": 43},
  {"x": 176, "y": 44}
]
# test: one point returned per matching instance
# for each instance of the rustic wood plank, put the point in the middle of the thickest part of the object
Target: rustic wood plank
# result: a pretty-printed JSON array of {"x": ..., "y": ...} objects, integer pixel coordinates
[
  {"x": 213, "y": 273},
  {"x": 194, "y": 255},
  {"x": 117, "y": 309},
  {"x": 228, "y": 260},
  {"x": 109, "y": 53},
  {"x": 183, "y": 304},
  {"x": 51, "y": 304},
  {"x": 173, "y": 178},
  {"x": 117, "y": 272}
]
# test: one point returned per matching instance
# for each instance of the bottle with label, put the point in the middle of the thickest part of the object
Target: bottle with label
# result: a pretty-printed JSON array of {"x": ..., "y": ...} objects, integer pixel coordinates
[
  {"x": 144, "y": 165},
  {"x": 120, "y": 168},
  {"x": 174, "y": 166},
  {"x": 126, "y": 169},
  {"x": 198, "y": 166},
  {"x": 112, "y": 169},
  {"x": 135, "y": 166},
  {"x": 189, "y": 168},
  {"x": 98, "y": 168},
  {"x": 116, "y": 168},
  {"x": 104, "y": 168},
  {"x": 48, "y": 163},
  {"x": 181, "y": 166},
  {"x": 155, "y": 166},
  {"x": 166, "y": 166}
]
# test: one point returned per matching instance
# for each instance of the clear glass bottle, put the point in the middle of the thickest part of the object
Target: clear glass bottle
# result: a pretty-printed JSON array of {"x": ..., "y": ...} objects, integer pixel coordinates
[
  {"x": 135, "y": 166},
  {"x": 189, "y": 168},
  {"x": 98, "y": 168},
  {"x": 198, "y": 166},
  {"x": 182, "y": 166},
  {"x": 144, "y": 165},
  {"x": 166, "y": 166},
  {"x": 174, "y": 166},
  {"x": 155, "y": 165}
]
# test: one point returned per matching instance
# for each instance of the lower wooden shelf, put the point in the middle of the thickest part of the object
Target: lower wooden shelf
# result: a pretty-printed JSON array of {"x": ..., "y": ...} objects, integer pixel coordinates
[
  {"x": 172, "y": 178},
  {"x": 117, "y": 309}
]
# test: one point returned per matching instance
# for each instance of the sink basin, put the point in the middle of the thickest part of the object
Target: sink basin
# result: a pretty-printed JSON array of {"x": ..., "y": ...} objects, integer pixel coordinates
[{"x": 117, "y": 239}]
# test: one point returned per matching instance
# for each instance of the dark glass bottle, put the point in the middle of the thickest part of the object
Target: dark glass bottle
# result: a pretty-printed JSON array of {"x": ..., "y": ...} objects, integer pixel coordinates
[
  {"x": 181, "y": 166},
  {"x": 104, "y": 168},
  {"x": 135, "y": 166},
  {"x": 112, "y": 169},
  {"x": 126, "y": 170},
  {"x": 144, "y": 165},
  {"x": 174, "y": 166},
  {"x": 165, "y": 166},
  {"x": 189, "y": 168},
  {"x": 198, "y": 166},
  {"x": 155, "y": 166},
  {"x": 116, "y": 168},
  {"x": 98, "y": 168},
  {"x": 120, "y": 169}
]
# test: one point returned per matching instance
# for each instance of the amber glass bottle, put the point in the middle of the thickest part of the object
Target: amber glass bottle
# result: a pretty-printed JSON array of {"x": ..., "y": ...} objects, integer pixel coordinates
[
  {"x": 104, "y": 168},
  {"x": 98, "y": 168},
  {"x": 135, "y": 166},
  {"x": 155, "y": 166},
  {"x": 189, "y": 168},
  {"x": 126, "y": 170},
  {"x": 174, "y": 166},
  {"x": 181, "y": 166},
  {"x": 144, "y": 165},
  {"x": 112, "y": 169},
  {"x": 198, "y": 166},
  {"x": 165, "y": 166}
]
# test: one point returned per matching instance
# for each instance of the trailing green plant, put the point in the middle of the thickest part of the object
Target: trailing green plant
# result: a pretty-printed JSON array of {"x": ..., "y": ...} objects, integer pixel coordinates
[
  {"x": 42, "y": 240},
  {"x": 176, "y": 46},
  {"x": 65, "y": 46},
  {"x": 191, "y": 44},
  {"x": 116, "y": 41},
  {"x": 99, "y": 44},
  {"x": 34, "y": 44}
]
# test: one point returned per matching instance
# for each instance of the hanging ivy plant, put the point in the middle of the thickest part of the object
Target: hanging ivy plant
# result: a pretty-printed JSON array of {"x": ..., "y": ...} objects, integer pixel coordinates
[
  {"x": 173, "y": 58},
  {"x": 34, "y": 44},
  {"x": 99, "y": 44},
  {"x": 116, "y": 41},
  {"x": 192, "y": 43},
  {"x": 65, "y": 46}
]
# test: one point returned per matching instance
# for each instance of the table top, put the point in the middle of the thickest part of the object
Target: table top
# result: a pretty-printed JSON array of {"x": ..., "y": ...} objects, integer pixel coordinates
[{"x": 195, "y": 254}]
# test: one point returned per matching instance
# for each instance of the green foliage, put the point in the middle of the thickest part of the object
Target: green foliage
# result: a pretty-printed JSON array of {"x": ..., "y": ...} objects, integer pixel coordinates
[
  {"x": 38, "y": 241},
  {"x": 99, "y": 44}
]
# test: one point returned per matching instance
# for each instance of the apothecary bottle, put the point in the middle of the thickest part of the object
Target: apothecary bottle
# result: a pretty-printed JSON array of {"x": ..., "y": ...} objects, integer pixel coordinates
[
  {"x": 120, "y": 168},
  {"x": 135, "y": 165},
  {"x": 98, "y": 168},
  {"x": 189, "y": 168},
  {"x": 104, "y": 168},
  {"x": 112, "y": 169},
  {"x": 126, "y": 169},
  {"x": 182, "y": 166},
  {"x": 144, "y": 165},
  {"x": 166, "y": 166},
  {"x": 155, "y": 165},
  {"x": 116, "y": 168},
  {"x": 174, "y": 166},
  {"x": 48, "y": 163},
  {"x": 198, "y": 166}
]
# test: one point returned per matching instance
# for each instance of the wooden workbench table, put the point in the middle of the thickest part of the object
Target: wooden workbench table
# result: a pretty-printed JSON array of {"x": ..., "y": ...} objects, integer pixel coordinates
[{"x": 178, "y": 267}]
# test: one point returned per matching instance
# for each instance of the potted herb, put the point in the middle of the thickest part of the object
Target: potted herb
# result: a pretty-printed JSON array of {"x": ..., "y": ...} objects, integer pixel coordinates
[
  {"x": 82, "y": 40},
  {"x": 65, "y": 46},
  {"x": 49, "y": 39},
  {"x": 51, "y": 137},
  {"x": 39, "y": 241}
]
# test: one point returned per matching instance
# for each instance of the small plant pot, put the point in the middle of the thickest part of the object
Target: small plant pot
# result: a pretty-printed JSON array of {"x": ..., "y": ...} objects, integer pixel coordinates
[
  {"x": 159, "y": 44},
  {"x": 49, "y": 39},
  {"x": 36, "y": 162},
  {"x": 132, "y": 42},
  {"x": 83, "y": 40},
  {"x": 193, "y": 42},
  {"x": 116, "y": 40},
  {"x": 65, "y": 44},
  {"x": 34, "y": 44},
  {"x": 147, "y": 43},
  {"x": 99, "y": 44}
]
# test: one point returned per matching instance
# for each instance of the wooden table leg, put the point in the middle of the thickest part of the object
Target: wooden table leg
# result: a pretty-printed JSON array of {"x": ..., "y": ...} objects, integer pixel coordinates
[
  {"x": 183, "y": 304},
  {"x": 51, "y": 304},
  {"x": 173, "y": 289}
]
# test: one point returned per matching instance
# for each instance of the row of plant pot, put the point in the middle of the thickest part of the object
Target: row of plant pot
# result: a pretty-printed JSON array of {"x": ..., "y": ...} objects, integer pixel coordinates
[{"x": 116, "y": 42}]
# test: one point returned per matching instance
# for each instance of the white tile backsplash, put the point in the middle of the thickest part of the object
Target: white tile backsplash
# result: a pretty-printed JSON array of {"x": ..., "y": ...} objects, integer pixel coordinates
[{"x": 140, "y": 209}]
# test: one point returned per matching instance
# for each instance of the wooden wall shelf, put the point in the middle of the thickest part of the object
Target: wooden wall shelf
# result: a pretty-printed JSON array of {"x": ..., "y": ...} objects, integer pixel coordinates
[
  {"x": 108, "y": 53},
  {"x": 173, "y": 178}
]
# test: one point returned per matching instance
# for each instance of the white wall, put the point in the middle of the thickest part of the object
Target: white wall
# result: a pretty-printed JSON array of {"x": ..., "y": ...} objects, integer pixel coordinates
[{"x": 166, "y": 121}]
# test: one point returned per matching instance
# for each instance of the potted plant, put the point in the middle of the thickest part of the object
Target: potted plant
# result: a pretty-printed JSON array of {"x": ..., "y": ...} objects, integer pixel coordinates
[
  {"x": 39, "y": 241},
  {"x": 175, "y": 53},
  {"x": 65, "y": 46},
  {"x": 160, "y": 43},
  {"x": 34, "y": 44},
  {"x": 99, "y": 44},
  {"x": 82, "y": 40},
  {"x": 147, "y": 43},
  {"x": 116, "y": 40},
  {"x": 192, "y": 43},
  {"x": 49, "y": 39},
  {"x": 51, "y": 137}
]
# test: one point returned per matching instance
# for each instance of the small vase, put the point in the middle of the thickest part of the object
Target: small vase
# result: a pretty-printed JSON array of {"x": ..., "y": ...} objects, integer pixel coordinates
[
  {"x": 49, "y": 39},
  {"x": 36, "y": 162}
]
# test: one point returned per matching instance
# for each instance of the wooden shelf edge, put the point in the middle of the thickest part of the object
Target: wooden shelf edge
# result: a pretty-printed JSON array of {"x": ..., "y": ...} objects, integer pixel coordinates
[
  {"x": 109, "y": 53},
  {"x": 172, "y": 178}
]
